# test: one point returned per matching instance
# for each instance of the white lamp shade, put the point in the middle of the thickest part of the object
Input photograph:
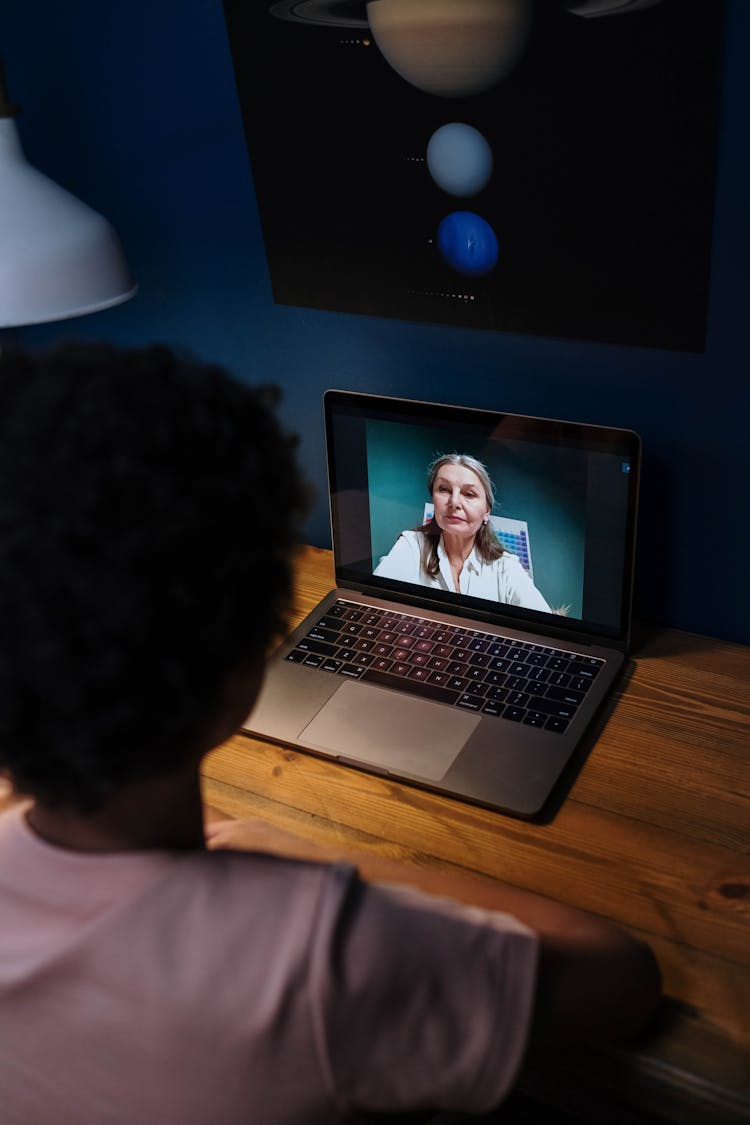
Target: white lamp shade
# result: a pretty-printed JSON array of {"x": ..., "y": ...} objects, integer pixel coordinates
[{"x": 58, "y": 257}]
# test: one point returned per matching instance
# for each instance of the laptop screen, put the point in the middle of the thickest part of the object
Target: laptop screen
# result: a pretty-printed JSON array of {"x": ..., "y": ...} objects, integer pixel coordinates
[{"x": 543, "y": 511}]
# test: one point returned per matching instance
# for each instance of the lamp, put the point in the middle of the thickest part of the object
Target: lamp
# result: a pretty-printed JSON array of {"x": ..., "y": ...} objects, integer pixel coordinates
[{"x": 58, "y": 257}]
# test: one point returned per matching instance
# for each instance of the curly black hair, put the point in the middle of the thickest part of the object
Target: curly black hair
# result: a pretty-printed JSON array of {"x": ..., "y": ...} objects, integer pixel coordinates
[{"x": 149, "y": 516}]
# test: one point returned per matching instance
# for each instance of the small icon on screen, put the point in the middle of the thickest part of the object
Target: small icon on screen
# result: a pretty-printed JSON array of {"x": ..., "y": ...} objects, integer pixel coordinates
[{"x": 626, "y": 466}]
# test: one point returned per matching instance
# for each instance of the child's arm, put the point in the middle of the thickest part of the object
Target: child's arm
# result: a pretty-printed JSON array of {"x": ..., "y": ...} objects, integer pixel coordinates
[{"x": 595, "y": 982}]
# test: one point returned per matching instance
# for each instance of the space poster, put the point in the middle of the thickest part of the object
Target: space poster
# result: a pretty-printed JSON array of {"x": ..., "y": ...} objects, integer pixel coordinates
[{"x": 528, "y": 166}]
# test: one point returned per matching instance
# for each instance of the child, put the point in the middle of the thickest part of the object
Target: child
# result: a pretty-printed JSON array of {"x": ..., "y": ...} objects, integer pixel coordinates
[{"x": 149, "y": 515}]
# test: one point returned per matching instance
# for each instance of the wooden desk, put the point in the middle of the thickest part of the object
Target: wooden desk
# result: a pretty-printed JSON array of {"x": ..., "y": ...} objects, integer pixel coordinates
[{"x": 653, "y": 835}]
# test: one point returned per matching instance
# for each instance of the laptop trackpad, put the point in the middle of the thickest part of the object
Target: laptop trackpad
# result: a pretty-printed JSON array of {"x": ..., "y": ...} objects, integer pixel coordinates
[{"x": 399, "y": 733}]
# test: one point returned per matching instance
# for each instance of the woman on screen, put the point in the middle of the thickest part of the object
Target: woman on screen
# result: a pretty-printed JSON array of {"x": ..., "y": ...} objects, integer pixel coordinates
[{"x": 457, "y": 550}]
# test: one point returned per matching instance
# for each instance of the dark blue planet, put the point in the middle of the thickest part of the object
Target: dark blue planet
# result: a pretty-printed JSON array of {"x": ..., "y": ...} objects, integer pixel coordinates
[{"x": 467, "y": 243}]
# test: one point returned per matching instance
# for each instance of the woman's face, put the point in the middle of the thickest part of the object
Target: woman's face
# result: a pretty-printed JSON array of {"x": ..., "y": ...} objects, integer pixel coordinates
[{"x": 460, "y": 501}]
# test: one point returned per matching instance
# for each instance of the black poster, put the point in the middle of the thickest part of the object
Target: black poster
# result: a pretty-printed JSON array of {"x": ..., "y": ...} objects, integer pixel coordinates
[{"x": 529, "y": 166}]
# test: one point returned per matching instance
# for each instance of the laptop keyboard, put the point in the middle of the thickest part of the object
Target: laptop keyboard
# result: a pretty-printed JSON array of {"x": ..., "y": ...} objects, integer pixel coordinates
[{"x": 482, "y": 672}]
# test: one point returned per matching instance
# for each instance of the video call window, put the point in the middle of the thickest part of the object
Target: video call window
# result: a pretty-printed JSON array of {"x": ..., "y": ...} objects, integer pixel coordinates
[
  {"x": 563, "y": 497},
  {"x": 541, "y": 490}
]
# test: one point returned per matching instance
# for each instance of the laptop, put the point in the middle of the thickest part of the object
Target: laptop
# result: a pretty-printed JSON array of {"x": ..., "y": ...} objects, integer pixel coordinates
[{"x": 479, "y": 684}]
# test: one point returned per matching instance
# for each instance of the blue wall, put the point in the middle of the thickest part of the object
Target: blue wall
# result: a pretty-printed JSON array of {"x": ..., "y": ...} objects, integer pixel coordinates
[{"x": 133, "y": 108}]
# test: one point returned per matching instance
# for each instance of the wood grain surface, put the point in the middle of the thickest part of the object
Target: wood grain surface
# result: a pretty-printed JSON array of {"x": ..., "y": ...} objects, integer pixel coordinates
[{"x": 652, "y": 832}]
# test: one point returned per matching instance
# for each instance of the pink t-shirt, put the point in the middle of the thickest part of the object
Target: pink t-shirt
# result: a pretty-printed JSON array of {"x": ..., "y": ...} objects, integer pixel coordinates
[{"x": 159, "y": 988}]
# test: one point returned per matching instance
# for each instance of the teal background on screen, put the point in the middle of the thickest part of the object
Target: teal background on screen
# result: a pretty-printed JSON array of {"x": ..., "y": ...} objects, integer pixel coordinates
[{"x": 543, "y": 485}]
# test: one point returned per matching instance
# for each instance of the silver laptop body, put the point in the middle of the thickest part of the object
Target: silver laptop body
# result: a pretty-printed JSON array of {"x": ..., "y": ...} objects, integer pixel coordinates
[{"x": 532, "y": 681}]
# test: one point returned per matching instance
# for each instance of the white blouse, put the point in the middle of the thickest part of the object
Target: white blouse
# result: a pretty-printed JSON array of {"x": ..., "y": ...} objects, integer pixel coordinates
[{"x": 503, "y": 580}]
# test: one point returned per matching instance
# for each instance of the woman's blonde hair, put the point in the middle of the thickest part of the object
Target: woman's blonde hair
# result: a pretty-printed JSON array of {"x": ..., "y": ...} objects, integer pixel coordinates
[{"x": 486, "y": 542}]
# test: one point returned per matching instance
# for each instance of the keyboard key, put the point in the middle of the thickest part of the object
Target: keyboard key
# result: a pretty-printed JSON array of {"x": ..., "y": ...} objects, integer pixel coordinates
[
  {"x": 457, "y": 668},
  {"x": 518, "y": 699},
  {"x": 316, "y": 646},
  {"x": 594, "y": 662},
  {"x": 497, "y": 678},
  {"x": 329, "y": 665},
  {"x": 475, "y": 674},
  {"x": 329, "y": 622},
  {"x": 296, "y": 656},
  {"x": 351, "y": 670},
  {"x": 585, "y": 666},
  {"x": 535, "y": 719},
  {"x": 318, "y": 634},
  {"x": 515, "y": 683},
  {"x": 474, "y": 688},
  {"x": 441, "y": 678},
  {"x": 405, "y": 627},
  {"x": 515, "y": 714},
  {"x": 498, "y": 693},
  {"x": 419, "y": 673},
  {"x": 552, "y": 707},
  {"x": 556, "y": 725},
  {"x": 565, "y": 695},
  {"x": 470, "y": 702}
]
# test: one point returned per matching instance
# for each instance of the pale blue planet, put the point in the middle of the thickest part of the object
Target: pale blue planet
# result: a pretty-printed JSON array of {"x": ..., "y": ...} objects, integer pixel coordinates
[{"x": 459, "y": 159}]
